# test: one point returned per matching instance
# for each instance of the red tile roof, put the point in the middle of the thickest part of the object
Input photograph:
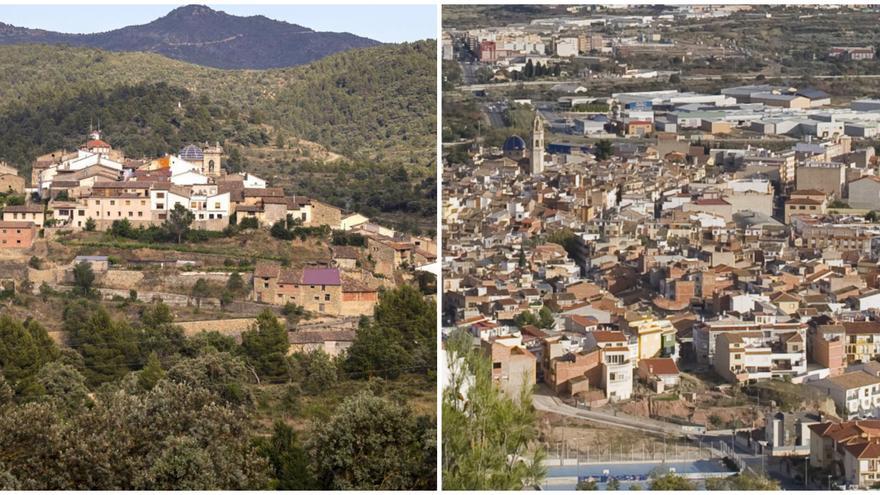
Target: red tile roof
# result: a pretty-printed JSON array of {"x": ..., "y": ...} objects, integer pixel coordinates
[{"x": 660, "y": 366}]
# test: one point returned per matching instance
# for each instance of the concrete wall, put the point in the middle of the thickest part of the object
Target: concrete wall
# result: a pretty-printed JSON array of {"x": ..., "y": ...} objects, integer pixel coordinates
[
  {"x": 358, "y": 303},
  {"x": 232, "y": 326},
  {"x": 324, "y": 214},
  {"x": 149, "y": 296},
  {"x": 119, "y": 278}
]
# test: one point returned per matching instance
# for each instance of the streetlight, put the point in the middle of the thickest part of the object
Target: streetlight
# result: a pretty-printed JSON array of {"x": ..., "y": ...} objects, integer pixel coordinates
[{"x": 829, "y": 482}]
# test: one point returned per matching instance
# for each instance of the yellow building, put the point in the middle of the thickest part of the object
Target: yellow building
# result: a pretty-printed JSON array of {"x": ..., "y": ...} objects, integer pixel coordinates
[
  {"x": 654, "y": 338},
  {"x": 862, "y": 343}
]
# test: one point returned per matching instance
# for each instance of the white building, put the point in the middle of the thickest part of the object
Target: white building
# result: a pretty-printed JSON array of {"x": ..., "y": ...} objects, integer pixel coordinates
[
  {"x": 566, "y": 47},
  {"x": 856, "y": 394},
  {"x": 617, "y": 372}
]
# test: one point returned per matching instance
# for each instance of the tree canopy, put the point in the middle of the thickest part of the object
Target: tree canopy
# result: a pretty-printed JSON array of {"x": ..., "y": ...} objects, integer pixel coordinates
[
  {"x": 265, "y": 347},
  {"x": 489, "y": 439},
  {"x": 399, "y": 338},
  {"x": 373, "y": 443}
]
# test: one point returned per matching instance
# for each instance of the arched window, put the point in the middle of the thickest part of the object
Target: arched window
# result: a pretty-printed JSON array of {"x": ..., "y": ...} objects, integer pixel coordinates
[{"x": 210, "y": 165}]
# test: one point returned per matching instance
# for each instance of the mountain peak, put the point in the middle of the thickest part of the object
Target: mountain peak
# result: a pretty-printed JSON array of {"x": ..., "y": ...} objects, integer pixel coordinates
[
  {"x": 201, "y": 35},
  {"x": 192, "y": 10}
]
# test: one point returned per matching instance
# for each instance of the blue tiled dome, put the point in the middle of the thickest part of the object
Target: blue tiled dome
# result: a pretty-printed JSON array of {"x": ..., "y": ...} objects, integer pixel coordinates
[
  {"x": 192, "y": 152},
  {"x": 514, "y": 143}
]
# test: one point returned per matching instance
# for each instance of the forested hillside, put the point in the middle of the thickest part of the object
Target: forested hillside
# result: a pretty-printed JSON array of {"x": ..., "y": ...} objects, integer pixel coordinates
[
  {"x": 376, "y": 106},
  {"x": 201, "y": 35},
  {"x": 134, "y": 404},
  {"x": 143, "y": 120},
  {"x": 381, "y": 99}
]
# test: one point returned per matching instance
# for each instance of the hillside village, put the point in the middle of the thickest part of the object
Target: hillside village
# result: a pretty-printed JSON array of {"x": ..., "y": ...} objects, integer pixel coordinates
[
  {"x": 704, "y": 264},
  {"x": 78, "y": 198}
]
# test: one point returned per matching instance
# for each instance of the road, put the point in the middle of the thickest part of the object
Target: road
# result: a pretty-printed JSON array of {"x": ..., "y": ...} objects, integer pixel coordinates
[
  {"x": 470, "y": 86},
  {"x": 547, "y": 403},
  {"x": 468, "y": 73},
  {"x": 495, "y": 114},
  {"x": 480, "y": 87}
]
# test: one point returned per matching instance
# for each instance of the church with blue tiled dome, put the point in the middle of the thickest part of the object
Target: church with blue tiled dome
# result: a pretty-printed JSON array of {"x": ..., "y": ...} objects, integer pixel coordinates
[
  {"x": 192, "y": 153},
  {"x": 514, "y": 147}
]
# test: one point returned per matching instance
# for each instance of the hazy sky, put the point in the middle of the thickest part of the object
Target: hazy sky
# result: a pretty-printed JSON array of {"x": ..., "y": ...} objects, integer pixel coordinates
[{"x": 387, "y": 23}]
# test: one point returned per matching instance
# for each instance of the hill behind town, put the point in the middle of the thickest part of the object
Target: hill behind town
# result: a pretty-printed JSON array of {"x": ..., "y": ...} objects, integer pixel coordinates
[
  {"x": 375, "y": 107},
  {"x": 201, "y": 35}
]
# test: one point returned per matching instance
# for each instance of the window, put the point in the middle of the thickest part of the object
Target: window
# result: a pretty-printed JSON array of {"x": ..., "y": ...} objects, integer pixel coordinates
[
  {"x": 217, "y": 205},
  {"x": 112, "y": 202},
  {"x": 326, "y": 297},
  {"x": 160, "y": 195},
  {"x": 140, "y": 213},
  {"x": 160, "y": 206},
  {"x": 97, "y": 201},
  {"x": 496, "y": 365},
  {"x": 127, "y": 202}
]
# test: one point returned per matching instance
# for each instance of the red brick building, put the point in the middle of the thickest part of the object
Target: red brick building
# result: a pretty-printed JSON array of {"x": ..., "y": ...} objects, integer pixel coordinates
[{"x": 17, "y": 235}]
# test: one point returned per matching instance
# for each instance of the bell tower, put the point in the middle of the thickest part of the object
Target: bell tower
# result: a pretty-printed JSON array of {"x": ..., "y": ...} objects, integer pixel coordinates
[
  {"x": 211, "y": 161},
  {"x": 536, "y": 146}
]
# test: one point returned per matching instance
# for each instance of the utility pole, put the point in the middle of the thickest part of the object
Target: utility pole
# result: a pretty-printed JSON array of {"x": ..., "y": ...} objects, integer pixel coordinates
[{"x": 806, "y": 471}]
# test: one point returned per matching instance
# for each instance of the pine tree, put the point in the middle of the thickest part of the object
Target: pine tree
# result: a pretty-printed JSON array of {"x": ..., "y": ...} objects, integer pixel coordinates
[
  {"x": 289, "y": 460},
  {"x": 200, "y": 291},
  {"x": 83, "y": 277},
  {"x": 265, "y": 346},
  {"x": 152, "y": 372},
  {"x": 179, "y": 221},
  {"x": 490, "y": 440}
]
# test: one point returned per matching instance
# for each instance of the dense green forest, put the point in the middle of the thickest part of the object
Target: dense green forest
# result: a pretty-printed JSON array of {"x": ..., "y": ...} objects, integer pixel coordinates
[
  {"x": 135, "y": 404},
  {"x": 144, "y": 120},
  {"x": 376, "y": 106},
  {"x": 372, "y": 188},
  {"x": 358, "y": 103}
]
